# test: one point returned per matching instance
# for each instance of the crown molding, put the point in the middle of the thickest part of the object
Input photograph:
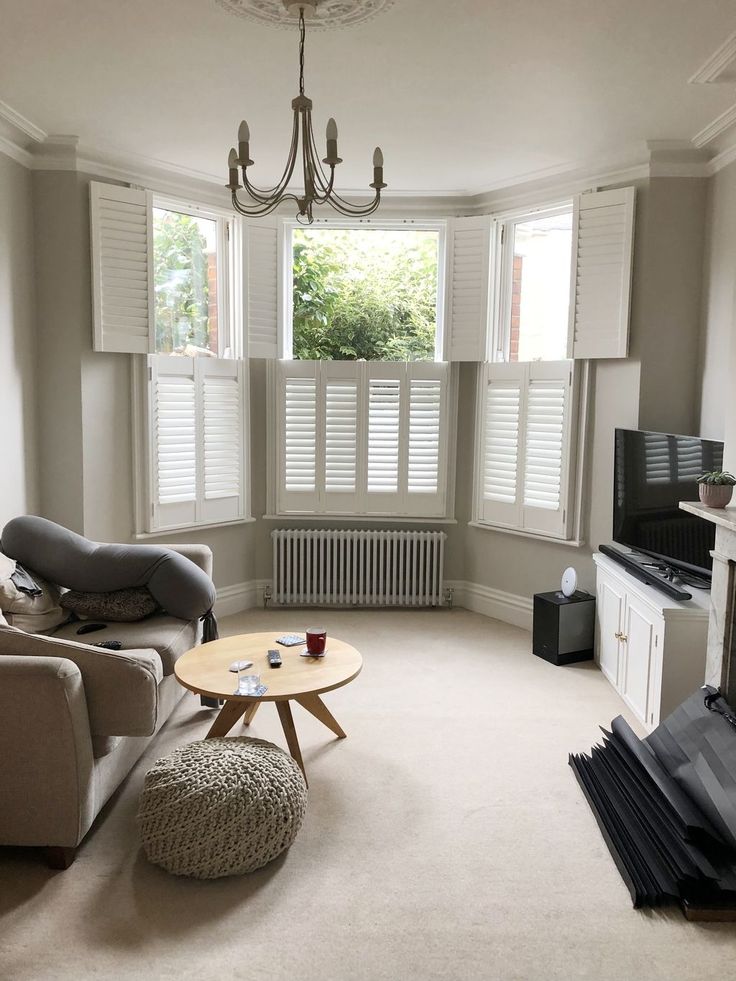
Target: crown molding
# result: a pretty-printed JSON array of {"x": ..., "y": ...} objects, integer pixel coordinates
[
  {"x": 714, "y": 129},
  {"x": 676, "y": 158},
  {"x": 723, "y": 159},
  {"x": 715, "y": 68},
  {"x": 19, "y": 123}
]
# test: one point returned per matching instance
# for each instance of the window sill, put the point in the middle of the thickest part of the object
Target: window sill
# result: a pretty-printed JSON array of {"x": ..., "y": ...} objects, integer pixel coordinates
[
  {"x": 569, "y": 542},
  {"x": 182, "y": 528},
  {"x": 395, "y": 518}
]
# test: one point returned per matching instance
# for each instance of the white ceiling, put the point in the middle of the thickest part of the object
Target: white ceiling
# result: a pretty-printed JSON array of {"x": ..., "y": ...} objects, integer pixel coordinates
[{"x": 462, "y": 95}]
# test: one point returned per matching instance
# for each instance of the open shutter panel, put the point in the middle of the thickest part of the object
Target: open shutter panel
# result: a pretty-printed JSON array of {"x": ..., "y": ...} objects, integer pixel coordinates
[
  {"x": 547, "y": 447},
  {"x": 600, "y": 293},
  {"x": 173, "y": 428},
  {"x": 221, "y": 385},
  {"x": 386, "y": 437},
  {"x": 263, "y": 260},
  {"x": 122, "y": 268},
  {"x": 298, "y": 489},
  {"x": 502, "y": 394},
  {"x": 468, "y": 280}
]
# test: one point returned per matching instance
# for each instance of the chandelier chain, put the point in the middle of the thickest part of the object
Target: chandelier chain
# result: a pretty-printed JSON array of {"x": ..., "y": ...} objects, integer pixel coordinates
[{"x": 302, "y": 34}]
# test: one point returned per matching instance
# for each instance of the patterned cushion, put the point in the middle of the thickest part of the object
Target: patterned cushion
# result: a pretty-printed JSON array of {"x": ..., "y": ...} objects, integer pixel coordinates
[{"x": 119, "y": 606}]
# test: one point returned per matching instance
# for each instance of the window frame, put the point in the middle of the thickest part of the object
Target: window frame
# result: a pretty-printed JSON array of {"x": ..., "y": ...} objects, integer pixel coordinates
[
  {"x": 232, "y": 292},
  {"x": 230, "y": 275},
  {"x": 502, "y": 270},
  {"x": 497, "y": 352},
  {"x": 439, "y": 225}
]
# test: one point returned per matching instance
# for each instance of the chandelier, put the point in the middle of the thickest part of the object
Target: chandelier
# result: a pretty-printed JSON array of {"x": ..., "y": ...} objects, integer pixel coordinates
[{"x": 318, "y": 184}]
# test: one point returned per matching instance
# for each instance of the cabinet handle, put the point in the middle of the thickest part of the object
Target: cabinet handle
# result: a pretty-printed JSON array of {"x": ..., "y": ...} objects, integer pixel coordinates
[{"x": 619, "y": 636}]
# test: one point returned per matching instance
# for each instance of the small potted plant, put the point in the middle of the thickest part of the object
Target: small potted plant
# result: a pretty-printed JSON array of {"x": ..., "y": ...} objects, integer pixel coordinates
[{"x": 716, "y": 488}]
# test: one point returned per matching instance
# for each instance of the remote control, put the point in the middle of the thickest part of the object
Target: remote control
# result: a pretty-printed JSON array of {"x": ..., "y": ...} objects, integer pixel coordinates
[
  {"x": 274, "y": 659},
  {"x": 89, "y": 628},
  {"x": 110, "y": 645}
]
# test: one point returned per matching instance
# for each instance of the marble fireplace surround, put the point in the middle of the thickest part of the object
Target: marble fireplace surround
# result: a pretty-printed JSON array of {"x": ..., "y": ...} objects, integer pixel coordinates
[{"x": 720, "y": 664}]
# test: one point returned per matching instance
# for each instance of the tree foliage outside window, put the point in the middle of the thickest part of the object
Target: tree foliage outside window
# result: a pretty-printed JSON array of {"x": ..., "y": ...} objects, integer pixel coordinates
[
  {"x": 182, "y": 245},
  {"x": 364, "y": 294}
]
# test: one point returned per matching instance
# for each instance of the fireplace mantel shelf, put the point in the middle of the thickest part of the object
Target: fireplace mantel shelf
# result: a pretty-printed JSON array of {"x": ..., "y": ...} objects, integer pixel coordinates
[{"x": 724, "y": 517}]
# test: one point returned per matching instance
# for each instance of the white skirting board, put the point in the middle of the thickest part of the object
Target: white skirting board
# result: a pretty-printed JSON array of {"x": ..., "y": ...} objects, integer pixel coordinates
[{"x": 494, "y": 603}]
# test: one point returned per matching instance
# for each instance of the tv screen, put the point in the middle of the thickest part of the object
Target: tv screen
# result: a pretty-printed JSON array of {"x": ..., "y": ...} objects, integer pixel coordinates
[{"x": 653, "y": 472}]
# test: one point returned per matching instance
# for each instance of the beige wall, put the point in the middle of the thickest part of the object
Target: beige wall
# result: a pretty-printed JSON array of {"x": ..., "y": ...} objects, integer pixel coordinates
[
  {"x": 718, "y": 339},
  {"x": 18, "y": 390}
]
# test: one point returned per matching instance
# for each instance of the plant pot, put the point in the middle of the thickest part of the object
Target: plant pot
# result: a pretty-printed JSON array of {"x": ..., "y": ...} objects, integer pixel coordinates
[{"x": 715, "y": 495}]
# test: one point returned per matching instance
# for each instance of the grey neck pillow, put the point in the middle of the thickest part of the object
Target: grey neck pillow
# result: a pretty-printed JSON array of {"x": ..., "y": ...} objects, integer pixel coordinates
[{"x": 67, "y": 559}]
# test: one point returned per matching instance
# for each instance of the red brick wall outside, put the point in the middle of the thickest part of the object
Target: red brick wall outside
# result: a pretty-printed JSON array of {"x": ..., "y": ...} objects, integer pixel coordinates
[
  {"x": 212, "y": 300},
  {"x": 515, "y": 308}
]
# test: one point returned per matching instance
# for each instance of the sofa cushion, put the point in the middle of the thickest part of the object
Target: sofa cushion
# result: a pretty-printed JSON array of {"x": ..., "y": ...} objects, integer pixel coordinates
[
  {"x": 120, "y": 687},
  {"x": 28, "y": 611},
  {"x": 169, "y": 636},
  {"x": 120, "y": 605}
]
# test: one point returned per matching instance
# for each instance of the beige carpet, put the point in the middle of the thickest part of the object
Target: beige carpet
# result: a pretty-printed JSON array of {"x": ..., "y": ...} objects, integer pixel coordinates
[{"x": 445, "y": 838}]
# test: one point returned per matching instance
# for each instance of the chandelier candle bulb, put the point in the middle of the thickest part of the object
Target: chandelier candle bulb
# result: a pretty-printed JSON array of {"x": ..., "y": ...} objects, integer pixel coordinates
[
  {"x": 377, "y": 168},
  {"x": 332, "y": 158},
  {"x": 232, "y": 164},
  {"x": 244, "y": 145}
]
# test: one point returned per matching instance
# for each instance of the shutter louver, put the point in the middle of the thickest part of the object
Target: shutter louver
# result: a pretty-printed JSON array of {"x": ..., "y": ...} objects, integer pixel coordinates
[
  {"x": 468, "y": 288},
  {"x": 122, "y": 277},
  {"x": 341, "y": 436},
  {"x": 501, "y": 452},
  {"x": 545, "y": 419},
  {"x": 173, "y": 412},
  {"x": 299, "y": 488},
  {"x": 384, "y": 423},
  {"x": 222, "y": 426},
  {"x": 600, "y": 294},
  {"x": 425, "y": 401},
  {"x": 262, "y": 292}
]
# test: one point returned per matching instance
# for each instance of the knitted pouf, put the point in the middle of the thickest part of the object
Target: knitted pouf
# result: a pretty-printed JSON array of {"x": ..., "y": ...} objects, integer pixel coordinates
[{"x": 221, "y": 807}]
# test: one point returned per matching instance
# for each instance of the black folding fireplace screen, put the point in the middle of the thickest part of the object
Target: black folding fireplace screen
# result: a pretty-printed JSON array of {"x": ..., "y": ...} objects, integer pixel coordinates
[{"x": 666, "y": 806}]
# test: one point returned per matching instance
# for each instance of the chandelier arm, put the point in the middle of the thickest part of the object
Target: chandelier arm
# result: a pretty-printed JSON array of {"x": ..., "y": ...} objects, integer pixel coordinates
[
  {"x": 266, "y": 195},
  {"x": 351, "y": 209},
  {"x": 259, "y": 212},
  {"x": 324, "y": 183}
]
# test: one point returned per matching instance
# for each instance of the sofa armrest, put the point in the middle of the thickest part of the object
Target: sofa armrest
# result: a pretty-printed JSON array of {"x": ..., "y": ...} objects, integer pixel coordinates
[
  {"x": 120, "y": 687},
  {"x": 46, "y": 758},
  {"x": 200, "y": 555}
]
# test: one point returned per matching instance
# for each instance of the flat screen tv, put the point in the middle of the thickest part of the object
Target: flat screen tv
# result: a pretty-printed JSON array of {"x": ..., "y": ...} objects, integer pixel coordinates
[{"x": 653, "y": 472}]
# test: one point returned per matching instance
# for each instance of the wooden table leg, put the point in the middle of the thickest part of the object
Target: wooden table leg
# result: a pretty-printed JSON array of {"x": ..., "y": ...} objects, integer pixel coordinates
[
  {"x": 315, "y": 705},
  {"x": 287, "y": 723},
  {"x": 228, "y": 716},
  {"x": 250, "y": 712}
]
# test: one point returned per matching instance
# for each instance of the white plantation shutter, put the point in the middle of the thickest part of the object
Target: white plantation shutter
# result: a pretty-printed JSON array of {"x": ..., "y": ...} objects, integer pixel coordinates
[
  {"x": 468, "y": 278},
  {"x": 121, "y": 238},
  {"x": 600, "y": 291},
  {"x": 362, "y": 438},
  {"x": 340, "y": 386},
  {"x": 526, "y": 440},
  {"x": 197, "y": 441},
  {"x": 173, "y": 429},
  {"x": 264, "y": 274},
  {"x": 222, "y": 399},
  {"x": 502, "y": 401}
]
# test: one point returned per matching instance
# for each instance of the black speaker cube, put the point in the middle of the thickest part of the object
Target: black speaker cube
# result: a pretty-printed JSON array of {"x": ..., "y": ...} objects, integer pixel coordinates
[{"x": 563, "y": 627}]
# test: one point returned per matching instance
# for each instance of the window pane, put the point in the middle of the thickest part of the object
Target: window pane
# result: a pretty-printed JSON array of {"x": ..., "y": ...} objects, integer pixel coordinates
[
  {"x": 540, "y": 288},
  {"x": 185, "y": 281},
  {"x": 364, "y": 294}
]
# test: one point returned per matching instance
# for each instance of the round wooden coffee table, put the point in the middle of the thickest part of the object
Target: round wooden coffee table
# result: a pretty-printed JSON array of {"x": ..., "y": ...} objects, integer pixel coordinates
[{"x": 205, "y": 671}]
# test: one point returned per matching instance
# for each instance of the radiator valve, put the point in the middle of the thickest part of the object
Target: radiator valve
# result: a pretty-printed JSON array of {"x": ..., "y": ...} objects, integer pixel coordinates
[
  {"x": 447, "y": 595},
  {"x": 267, "y": 596}
]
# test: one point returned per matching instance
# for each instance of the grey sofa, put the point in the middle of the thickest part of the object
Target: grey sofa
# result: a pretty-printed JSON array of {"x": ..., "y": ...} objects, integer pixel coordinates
[{"x": 74, "y": 719}]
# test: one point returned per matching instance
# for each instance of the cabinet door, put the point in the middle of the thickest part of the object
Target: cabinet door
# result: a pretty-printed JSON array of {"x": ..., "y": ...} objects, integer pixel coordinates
[
  {"x": 638, "y": 676},
  {"x": 609, "y": 614}
]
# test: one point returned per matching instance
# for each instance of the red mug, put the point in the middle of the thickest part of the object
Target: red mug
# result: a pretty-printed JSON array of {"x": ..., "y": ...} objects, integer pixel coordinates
[{"x": 316, "y": 640}]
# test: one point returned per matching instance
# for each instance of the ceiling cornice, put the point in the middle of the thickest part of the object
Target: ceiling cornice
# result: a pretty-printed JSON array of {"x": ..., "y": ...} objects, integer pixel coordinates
[
  {"x": 715, "y": 67},
  {"x": 717, "y": 126}
]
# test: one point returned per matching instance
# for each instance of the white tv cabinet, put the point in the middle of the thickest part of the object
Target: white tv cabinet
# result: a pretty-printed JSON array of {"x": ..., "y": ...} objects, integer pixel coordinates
[{"x": 650, "y": 647}]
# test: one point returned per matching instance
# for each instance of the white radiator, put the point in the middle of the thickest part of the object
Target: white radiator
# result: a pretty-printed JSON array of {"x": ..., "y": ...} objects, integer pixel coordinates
[{"x": 357, "y": 568}]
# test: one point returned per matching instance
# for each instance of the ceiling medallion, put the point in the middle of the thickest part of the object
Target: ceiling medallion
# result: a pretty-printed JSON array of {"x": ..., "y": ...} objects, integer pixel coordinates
[
  {"x": 327, "y": 15},
  {"x": 318, "y": 183}
]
